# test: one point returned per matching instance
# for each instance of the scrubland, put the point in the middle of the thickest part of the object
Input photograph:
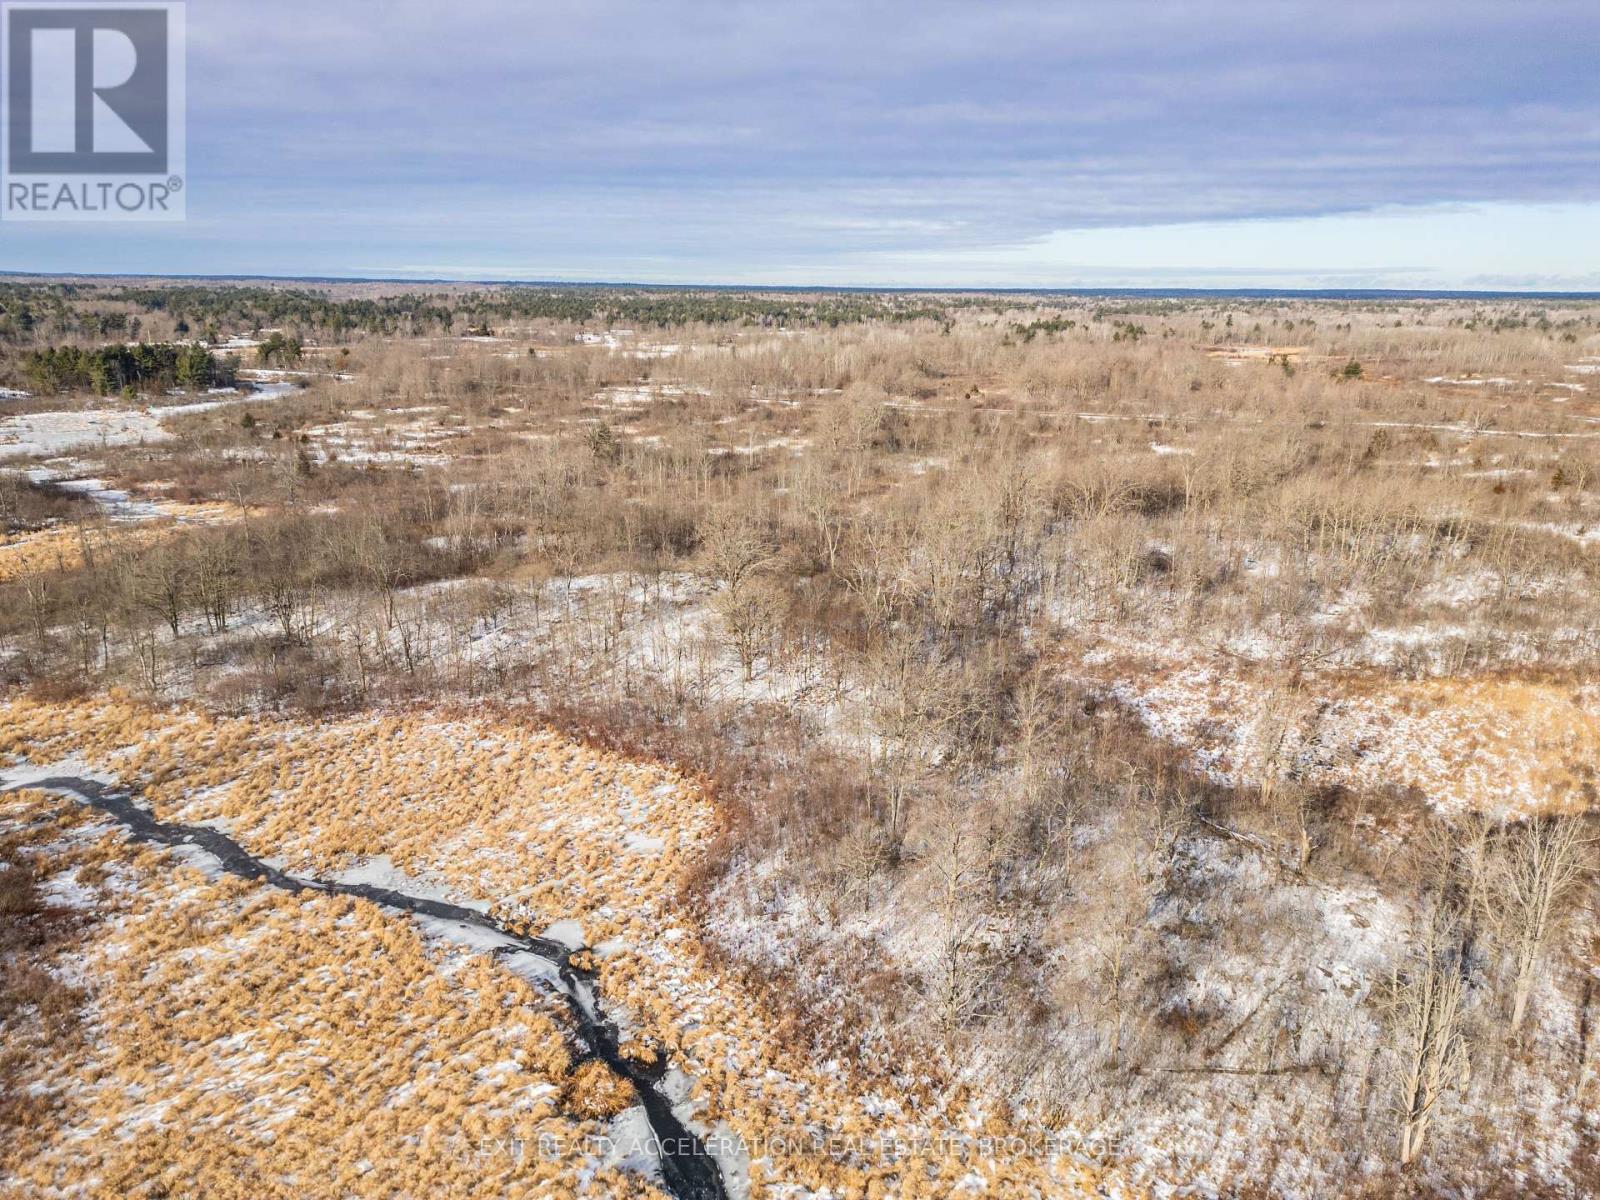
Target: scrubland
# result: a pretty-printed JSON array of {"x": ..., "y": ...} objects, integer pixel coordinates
[{"x": 1163, "y": 731}]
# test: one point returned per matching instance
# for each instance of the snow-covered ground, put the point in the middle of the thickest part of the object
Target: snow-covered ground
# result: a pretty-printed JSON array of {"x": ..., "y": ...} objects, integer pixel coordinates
[
  {"x": 50, "y": 434},
  {"x": 46, "y": 435}
]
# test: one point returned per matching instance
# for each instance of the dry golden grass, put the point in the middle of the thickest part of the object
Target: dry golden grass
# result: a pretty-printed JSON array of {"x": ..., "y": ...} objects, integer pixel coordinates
[
  {"x": 1507, "y": 744},
  {"x": 245, "y": 1042},
  {"x": 64, "y": 549},
  {"x": 1504, "y": 737},
  {"x": 336, "y": 997},
  {"x": 47, "y": 550},
  {"x": 594, "y": 1092}
]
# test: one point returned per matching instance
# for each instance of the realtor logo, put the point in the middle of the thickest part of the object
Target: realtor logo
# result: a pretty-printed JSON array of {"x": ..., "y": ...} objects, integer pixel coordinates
[{"x": 93, "y": 126}]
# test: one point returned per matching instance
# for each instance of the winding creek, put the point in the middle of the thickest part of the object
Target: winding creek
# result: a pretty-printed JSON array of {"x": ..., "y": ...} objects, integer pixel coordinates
[{"x": 688, "y": 1169}]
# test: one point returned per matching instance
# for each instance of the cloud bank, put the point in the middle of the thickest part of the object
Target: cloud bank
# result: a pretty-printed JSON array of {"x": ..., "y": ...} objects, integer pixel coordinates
[{"x": 845, "y": 143}]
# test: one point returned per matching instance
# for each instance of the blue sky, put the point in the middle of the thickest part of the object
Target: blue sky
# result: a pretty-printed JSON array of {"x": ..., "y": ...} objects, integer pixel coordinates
[{"x": 1138, "y": 143}]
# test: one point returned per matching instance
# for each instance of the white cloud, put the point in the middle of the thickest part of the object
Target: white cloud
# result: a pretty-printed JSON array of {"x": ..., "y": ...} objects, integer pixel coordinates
[{"x": 1546, "y": 247}]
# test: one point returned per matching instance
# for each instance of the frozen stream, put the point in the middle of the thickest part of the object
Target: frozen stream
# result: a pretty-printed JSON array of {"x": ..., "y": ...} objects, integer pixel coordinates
[{"x": 688, "y": 1170}]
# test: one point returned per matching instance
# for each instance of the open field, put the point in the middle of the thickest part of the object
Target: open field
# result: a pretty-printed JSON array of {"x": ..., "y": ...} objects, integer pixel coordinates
[{"x": 1048, "y": 746}]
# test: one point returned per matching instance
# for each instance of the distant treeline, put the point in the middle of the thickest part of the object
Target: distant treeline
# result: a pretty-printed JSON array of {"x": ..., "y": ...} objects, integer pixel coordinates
[
  {"x": 36, "y": 313},
  {"x": 231, "y": 308},
  {"x": 31, "y": 312},
  {"x": 673, "y": 308},
  {"x": 108, "y": 369}
]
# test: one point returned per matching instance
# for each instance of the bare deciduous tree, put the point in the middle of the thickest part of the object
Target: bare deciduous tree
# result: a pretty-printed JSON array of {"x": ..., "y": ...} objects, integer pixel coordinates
[
  {"x": 734, "y": 547},
  {"x": 158, "y": 581},
  {"x": 1427, "y": 1020},
  {"x": 753, "y": 613},
  {"x": 1543, "y": 865},
  {"x": 958, "y": 859}
]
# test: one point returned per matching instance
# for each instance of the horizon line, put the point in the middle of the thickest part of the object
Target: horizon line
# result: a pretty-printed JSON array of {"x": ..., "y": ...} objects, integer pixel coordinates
[{"x": 1153, "y": 292}]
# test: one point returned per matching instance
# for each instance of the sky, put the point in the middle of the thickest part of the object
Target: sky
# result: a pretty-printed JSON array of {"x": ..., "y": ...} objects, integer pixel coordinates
[{"x": 1137, "y": 143}]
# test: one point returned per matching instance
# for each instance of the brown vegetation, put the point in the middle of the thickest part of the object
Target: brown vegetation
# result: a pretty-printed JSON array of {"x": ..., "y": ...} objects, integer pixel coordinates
[{"x": 1072, "y": 683}]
